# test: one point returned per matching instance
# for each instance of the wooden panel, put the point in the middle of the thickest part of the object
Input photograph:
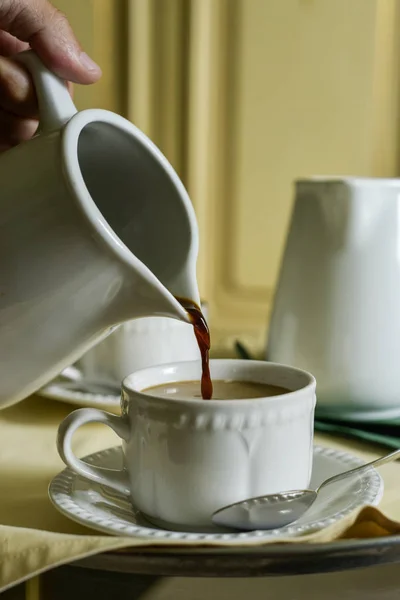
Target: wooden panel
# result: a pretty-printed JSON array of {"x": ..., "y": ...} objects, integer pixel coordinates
[
  {"x": 100, "y": 26},
  {"x": 303, "y": 98},
  {"x": 279, "y": 90},
  {"x": 157, "y": 39}
]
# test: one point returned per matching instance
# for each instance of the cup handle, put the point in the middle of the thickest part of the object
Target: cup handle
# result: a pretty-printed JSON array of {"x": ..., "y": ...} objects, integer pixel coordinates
[
  {"x": 55, "y": 103},
  {"x": 112, "y": 478}
]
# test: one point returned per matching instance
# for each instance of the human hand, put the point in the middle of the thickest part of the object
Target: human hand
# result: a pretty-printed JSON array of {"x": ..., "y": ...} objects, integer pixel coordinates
[{"x": 35, "y": 24}]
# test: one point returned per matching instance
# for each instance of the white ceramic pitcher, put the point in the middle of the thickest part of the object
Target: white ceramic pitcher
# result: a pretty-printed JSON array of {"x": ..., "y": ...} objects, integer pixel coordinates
[
  {"x": 337, "y": 305},
  {"x": 95, "y": 229}
]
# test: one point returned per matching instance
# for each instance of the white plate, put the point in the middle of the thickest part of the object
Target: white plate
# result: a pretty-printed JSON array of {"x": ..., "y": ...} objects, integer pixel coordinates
[
  {"x": 57, "y": 390},
  {"x": 97, "y": 508}
]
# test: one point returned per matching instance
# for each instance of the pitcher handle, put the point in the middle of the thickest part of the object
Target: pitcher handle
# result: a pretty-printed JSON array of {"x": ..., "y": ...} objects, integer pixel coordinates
[
  {"x": 115, "y": 479},
  {"x": 55, "y": 103}
]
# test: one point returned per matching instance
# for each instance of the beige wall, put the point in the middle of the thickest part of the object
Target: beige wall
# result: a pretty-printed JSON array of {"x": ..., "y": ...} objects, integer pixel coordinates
[
  {"x": 100, "y": 25},
  {"x": 244, "y": 96}
]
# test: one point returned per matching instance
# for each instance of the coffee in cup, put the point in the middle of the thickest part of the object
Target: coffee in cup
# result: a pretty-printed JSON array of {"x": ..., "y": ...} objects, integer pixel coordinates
[{"x": 222, "y": 390}]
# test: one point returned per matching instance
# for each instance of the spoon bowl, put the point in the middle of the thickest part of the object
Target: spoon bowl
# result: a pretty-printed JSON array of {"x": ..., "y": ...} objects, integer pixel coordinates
[
  {"x": 266, "y": 512},
  {"x": 274, "y": 511}
]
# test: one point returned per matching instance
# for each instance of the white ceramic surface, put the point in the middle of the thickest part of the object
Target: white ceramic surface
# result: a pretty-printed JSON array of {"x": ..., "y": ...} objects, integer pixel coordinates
[
  {"x": 96, "y": 229},
  {"x": 185, "y": 459},
  {"x": 92, "y": 505},
  {"x": 132, "y": 346},
  {"x": 59, "y": 390},
  {"x": 137, "y": 345},
  {"x": 336, "y": 311}
]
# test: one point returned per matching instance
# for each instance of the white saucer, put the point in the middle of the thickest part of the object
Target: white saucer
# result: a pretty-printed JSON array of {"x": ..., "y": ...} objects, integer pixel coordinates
[
  {"x": 93, "y": 506},
  {"x": 58, "y": 390}
]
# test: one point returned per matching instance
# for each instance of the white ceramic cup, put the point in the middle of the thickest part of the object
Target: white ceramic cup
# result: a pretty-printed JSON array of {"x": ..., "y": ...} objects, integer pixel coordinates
[
  {"x": 136, "y": 345},
  {"x": 184, "y": 459}
]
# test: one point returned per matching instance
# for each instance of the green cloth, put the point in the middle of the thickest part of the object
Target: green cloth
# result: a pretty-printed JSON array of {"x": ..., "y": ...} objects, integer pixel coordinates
[{"x": 386, "y": 433}]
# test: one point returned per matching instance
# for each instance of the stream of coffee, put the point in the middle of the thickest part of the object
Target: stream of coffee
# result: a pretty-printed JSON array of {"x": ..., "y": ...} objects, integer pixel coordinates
[{"x": 202, "y": 334}]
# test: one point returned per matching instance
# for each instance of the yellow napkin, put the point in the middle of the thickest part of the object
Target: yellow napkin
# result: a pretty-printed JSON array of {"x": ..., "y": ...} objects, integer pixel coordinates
[{"x": 34, "y": 536}]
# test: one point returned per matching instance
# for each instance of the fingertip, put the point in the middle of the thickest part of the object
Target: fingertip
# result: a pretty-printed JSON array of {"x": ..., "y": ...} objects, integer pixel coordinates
[
  {"x": 25, "y": 131},
  {"x": 90, "y": 66},
  {"x": 50, "y": 35},
  {"x": 14, "y": 129},
  {"x": 59, "y": 50},
  {"x": 17, "y": 92},
  {"x": 65, "y": 60}
]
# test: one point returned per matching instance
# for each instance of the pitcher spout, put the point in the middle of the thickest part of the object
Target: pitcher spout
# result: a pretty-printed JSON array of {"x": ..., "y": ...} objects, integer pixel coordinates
[{"x": 144, "y": 295}]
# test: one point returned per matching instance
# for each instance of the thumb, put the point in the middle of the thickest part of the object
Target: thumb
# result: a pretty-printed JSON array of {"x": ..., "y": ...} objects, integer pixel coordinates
[{"x": 50, "y": 35}]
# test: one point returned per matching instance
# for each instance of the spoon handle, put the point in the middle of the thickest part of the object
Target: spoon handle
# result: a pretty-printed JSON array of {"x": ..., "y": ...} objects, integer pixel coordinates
[{"x": 373, "y": 464}]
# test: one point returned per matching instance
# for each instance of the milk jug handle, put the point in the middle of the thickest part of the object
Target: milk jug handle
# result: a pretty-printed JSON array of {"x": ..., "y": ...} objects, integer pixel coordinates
[{"x": 55, "y": 103}]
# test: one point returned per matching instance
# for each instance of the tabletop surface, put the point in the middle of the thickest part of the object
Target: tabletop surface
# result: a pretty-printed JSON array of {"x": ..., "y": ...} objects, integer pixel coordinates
[
  {"x": 29, "y": 461},
  {"x": 250, "y": 562}
]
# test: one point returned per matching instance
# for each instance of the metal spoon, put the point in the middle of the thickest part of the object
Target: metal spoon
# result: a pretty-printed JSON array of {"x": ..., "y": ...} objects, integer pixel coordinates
[{"x": 277, "y": 510}]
